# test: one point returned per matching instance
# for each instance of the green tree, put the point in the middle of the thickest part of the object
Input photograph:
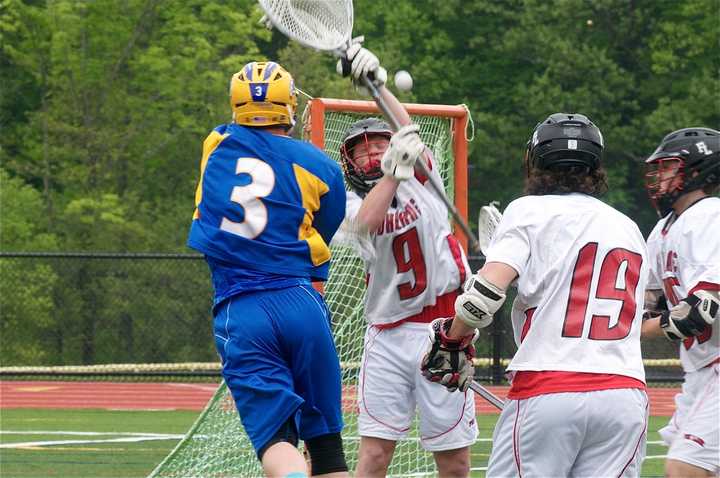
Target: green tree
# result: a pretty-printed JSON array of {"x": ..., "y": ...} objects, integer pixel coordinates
[{"x": 26, "y": 288}]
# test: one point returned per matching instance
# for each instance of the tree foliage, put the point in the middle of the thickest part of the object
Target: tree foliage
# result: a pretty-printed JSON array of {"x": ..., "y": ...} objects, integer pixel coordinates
[{"x": 104, "y": 104}]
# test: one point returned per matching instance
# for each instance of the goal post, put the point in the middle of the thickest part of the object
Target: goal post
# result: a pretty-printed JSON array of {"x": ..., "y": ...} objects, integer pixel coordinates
[
  {"x": 216, "y": 445},
  {"x": 454, "y": 117}
]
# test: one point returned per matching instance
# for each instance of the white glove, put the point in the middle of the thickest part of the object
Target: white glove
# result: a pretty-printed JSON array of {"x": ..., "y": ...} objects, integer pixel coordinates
[
  {"x": 363, "y": 62},
  {"x": 400, "y": 156}
]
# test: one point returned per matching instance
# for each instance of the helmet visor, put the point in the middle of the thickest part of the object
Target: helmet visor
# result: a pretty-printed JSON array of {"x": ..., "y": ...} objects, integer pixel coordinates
[
  {"x": 664, "y": 176},
  {"x": 365, "y": 152}
]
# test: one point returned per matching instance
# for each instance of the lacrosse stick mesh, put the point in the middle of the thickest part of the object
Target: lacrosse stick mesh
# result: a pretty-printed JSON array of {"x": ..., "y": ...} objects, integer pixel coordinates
[
  {"x": 320, "y": 24},
  {"x": 216, "y": 446}
]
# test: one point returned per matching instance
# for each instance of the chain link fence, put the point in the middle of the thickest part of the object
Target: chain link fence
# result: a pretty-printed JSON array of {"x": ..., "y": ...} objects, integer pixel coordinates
[{"x": 90, "y": 309}]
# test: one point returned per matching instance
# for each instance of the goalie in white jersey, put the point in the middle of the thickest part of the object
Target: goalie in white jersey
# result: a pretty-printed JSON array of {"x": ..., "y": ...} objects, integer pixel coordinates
[
  {"x": 415, "y": 268},
  {"x": 684, "y": 254},
  {"x": 577, "y": 405}
]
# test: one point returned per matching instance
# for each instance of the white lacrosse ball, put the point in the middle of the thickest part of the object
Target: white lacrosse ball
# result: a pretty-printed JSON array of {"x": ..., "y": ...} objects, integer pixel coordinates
[{"x": 403, "y": 81}]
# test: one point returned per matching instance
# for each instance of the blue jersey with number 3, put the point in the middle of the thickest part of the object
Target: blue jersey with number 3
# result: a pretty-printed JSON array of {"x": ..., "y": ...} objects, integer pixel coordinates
[{"x": 267, "y": 207}]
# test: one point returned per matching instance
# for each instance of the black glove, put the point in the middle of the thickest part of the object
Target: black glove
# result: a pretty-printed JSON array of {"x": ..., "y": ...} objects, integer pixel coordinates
[
  {"x": 691, "y": 317},
  {"x": 449, "y": 361}
]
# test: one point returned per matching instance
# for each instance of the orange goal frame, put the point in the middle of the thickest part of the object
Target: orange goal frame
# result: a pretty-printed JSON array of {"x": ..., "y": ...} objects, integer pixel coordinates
[{"x": 315, "y": 125}]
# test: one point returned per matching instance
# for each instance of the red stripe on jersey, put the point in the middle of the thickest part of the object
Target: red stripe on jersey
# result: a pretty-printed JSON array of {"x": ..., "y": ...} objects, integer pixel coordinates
[
  {"x": 444, "y": 307},
  {"x": 418, "y": 174},
  {"x": 516, "y": 441},
  {"x": 528, "y": 384},
  {"x": 457, "y": 256},
  {"x": 694, "y": 438},
  {"x": 462, "y": 414},
  {"x": 643, "y": 430},
  {"x": 704, "y": 286},
  {"x": 528, "y": 322},
  {"x": 717, "y": 360}
]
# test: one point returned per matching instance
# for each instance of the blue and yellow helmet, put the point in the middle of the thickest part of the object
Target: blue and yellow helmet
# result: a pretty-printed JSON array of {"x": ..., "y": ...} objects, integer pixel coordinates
[{"x": 262, "y": 93}]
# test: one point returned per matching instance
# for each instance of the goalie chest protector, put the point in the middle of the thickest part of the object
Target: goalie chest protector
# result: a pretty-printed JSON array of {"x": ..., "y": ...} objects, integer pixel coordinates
[{"x": 412, "y": 261}]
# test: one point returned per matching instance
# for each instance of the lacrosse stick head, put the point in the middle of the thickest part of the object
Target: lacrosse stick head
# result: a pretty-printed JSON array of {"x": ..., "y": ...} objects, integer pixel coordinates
[
  {"x": 488, "y": 220},
  {"x": 320, "y": 24}
]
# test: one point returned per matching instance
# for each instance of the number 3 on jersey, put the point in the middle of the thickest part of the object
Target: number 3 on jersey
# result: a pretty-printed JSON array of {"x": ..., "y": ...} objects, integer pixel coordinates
[
  {"x": 608, "y": 287},
  {"x": 262, "y": 182}
]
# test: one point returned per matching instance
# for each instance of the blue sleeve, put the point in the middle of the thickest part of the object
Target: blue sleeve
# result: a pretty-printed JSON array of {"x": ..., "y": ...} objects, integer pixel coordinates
[{"x": 332, "y": 208}]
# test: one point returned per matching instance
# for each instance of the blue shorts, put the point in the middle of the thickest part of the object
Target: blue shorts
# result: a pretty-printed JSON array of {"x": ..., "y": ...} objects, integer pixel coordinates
[{"x": 279, "y": 361}]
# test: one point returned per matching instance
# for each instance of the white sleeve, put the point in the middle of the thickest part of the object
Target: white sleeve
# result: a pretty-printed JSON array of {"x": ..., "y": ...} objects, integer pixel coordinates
[
  {"x": 432, "y": 166},
  {"x": 510, "y": 243},
  {"x": 701, "y": 268},
  {"x": 348, "y": 233},
  {"x": 653, "y": 249}
]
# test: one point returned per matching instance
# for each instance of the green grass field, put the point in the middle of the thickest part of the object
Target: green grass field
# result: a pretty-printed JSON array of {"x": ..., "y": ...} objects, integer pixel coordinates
[{"x": 125, "y": 444}]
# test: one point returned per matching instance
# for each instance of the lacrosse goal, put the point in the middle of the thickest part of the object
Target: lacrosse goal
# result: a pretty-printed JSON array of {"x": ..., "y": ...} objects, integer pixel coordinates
[{"x": 216, "y": 445}]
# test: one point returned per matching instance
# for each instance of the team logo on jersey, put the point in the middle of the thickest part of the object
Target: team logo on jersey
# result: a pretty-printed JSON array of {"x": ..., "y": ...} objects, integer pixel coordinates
[
  {"x": 572, "y": 144},
  {"x": 394, "y": 221}
]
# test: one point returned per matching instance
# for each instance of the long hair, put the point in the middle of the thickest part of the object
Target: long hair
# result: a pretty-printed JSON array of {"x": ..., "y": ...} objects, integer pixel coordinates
[{"x": 575, "y": 179}]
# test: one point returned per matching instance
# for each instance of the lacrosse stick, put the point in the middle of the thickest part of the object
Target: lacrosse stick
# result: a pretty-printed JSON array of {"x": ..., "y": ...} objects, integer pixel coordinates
[
  {"x": 327, "y": 26},
  {"x": 487, "y": 395},
  {"x": 488, "y": 219}
]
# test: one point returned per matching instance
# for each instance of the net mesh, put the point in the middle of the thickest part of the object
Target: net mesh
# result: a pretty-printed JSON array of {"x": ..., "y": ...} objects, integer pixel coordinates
[
  {"x": 320, "y": 24},
  {"x": 216, "y": 446}
]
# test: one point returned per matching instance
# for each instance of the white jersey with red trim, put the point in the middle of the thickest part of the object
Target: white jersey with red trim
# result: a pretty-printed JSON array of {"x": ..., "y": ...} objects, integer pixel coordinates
[
  {"x": 685, "y": 257},
  {"x": 582, "y": 269},
  {"x": 412, "y": 258}
]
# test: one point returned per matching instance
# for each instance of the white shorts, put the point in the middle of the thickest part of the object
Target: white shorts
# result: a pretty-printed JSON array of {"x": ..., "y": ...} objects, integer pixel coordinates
[
  {"x": 391, "y": 387},
  {"x": 578, "y": 434},
  {"x": 693, "y": 433}
]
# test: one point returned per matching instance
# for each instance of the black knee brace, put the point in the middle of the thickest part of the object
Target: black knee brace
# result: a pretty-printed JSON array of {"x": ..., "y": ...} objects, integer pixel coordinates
[
  {"x": 326, "y": 454},
  {"x": 287, "y": 433}
]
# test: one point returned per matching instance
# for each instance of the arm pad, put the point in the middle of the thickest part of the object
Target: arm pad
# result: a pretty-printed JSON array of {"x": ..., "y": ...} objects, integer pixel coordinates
[{"x": 477, "y": 305}]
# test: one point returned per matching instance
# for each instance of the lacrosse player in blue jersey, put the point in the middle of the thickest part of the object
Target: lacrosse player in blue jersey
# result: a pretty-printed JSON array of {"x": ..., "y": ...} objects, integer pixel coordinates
[{"x": 267, "y": 206}]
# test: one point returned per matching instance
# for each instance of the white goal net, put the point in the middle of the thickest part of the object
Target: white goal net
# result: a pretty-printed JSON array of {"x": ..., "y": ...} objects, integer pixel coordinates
[{"x": 216, "y": 445}]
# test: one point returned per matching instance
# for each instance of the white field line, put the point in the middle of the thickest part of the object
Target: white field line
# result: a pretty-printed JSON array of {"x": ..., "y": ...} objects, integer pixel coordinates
[
  {"x": 419, "y": 474},
  {"x": 126, "y": 438},
  {"x": 357, "y": 438},
  {"x": 56, "y": 432},
  {"x": 199, "y": 386}
]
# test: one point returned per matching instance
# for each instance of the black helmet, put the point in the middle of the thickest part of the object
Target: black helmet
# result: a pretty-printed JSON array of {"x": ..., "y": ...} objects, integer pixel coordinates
[
  {"x": 697, "y": 151},
  {"x": 564, "y": 140},
  {"x": 362, "y": 179}
]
